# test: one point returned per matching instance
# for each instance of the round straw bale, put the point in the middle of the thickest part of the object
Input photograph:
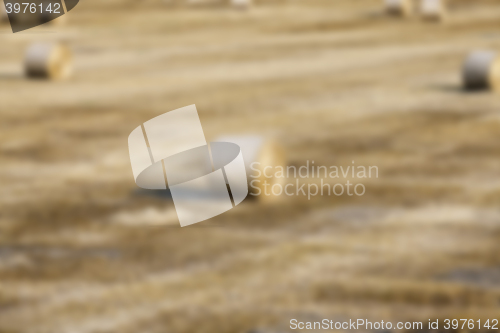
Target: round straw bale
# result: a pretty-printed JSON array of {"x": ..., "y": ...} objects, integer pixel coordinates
[
  {"x": 49, "y": 61},
  {"x": 481, "y": 70},
  {"x": 241, "y": 4},
  {"x": 399, "y": 7},
  {"x": 259, "y": 154},
  {"x": 433, "y": 10},
  {"x": 205, "y": 3}
]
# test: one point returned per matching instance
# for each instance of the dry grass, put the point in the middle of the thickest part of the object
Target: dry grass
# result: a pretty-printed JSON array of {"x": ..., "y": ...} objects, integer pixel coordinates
[{"x": 333, "y": 81}]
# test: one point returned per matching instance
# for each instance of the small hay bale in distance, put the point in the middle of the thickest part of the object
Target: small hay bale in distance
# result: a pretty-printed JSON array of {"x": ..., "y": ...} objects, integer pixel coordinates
[
  {"x": 241, "y": 4},
  {"x": 433, "y": 10},
  {"x": 399, "y": 7},
  {"x": 236, "y": 4},
  {"x": 48, "y": 61},
  {"x": 267, "y": 153},
  {"x": 481, "y": 70}
]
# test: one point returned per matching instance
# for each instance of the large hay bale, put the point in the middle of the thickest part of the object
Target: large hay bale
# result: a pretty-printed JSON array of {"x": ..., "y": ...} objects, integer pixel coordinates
[
  {"x": 433, "y": 10},
  {"x": 259, "y": 153},
  {"x": 399, "y": 7},
  {"x": 48, "y": 61},
  {"x": 481, "y": 70}
]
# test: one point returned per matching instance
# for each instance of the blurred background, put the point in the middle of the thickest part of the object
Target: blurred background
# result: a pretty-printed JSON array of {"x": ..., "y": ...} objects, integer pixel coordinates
[{"x": 334, "y": 81}]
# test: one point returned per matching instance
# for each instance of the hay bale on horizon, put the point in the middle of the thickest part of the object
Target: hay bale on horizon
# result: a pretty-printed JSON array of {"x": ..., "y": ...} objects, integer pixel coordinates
[
  {"x": 48, "y": 61},
  {"x": 236, "y": 4},
  {"x": 481, "y": 70},
  {"x": 399, "y": 7},
  {"x": 241, "y": 4},
  {"x": 433, "y": 10}
]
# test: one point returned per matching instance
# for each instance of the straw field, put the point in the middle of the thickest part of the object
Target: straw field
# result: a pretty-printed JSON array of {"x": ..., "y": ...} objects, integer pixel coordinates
[{"x": 334, "y": 81}]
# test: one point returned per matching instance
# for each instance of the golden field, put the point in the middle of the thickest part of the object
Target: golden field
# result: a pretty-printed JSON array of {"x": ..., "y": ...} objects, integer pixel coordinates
[{"x": 334, "y": 81}]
